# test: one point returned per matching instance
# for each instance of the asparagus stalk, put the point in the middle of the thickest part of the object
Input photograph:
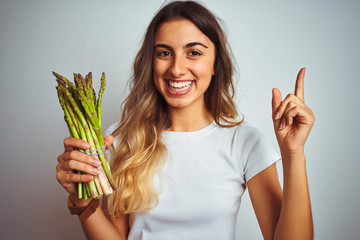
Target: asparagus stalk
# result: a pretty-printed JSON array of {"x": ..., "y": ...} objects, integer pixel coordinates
[
  {"x": 101, "y": 92},
  {"x": 106, "y": 186}
]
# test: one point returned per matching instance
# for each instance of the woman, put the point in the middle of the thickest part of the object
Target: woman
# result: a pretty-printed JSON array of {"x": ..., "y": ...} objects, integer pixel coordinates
[{"x": 181, "y": 158}]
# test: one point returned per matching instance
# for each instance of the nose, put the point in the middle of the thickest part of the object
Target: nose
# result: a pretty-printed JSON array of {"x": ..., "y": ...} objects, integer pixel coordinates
[{"x": 178, "y": 67}]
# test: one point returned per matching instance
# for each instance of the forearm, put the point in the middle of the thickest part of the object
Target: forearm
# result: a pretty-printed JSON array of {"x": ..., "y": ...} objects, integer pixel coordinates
[
  {"x": 295, "y": 221},
  {"x": 99, "y": 226}
]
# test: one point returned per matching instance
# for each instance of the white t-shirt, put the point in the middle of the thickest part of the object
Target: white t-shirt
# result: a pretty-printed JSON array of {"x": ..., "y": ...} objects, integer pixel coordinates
[{"x": 202, "y": 182}]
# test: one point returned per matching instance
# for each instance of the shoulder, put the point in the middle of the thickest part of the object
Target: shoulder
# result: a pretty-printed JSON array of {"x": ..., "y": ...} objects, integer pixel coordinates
[
  {"x": 249, "y": 137},
  {"x": 242, "y": 139},
  {"x": 244, "y": 132},
  {"x": 249, "y": 133},
  {"x": 249, "y": 142}
]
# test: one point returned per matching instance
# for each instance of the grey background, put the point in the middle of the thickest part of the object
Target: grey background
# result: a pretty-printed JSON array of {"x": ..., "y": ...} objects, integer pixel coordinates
[{"x": 271, "y": 41}]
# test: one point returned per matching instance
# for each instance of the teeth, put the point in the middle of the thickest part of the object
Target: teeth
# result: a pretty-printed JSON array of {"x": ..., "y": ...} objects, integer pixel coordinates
[{"x": 179, "y": 86}]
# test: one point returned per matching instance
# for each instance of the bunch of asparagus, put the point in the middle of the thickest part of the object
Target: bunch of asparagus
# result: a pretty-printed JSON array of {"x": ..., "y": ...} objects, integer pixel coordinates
[{"x": 83, "y": 117}]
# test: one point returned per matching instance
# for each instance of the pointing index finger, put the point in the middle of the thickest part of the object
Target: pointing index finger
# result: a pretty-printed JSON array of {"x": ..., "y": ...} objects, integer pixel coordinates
[{"x": 299, "y": 86}]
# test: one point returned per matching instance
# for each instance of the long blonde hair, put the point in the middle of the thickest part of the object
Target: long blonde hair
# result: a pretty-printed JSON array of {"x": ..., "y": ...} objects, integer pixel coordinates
[{"x": 141, "y": 152}]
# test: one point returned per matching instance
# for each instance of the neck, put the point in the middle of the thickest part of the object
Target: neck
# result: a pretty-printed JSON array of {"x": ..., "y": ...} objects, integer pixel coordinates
[{"x": 189, "y": 119}]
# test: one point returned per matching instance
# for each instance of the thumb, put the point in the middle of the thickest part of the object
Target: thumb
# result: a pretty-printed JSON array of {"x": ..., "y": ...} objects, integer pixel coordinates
[
  {"x": 276, "y": 100},
  {"x": 108, "y": 141}
]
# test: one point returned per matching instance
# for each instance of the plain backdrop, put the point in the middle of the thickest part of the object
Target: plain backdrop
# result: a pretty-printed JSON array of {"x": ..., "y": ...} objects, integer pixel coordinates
[{"x": 271, "y": 41}]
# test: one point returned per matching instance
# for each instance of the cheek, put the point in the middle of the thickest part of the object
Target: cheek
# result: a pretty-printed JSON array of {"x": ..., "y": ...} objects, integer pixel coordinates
[
  {"x": 156, "y": 74},
  {"x": 159, "y": 69},
  {"x": 205, "y": 70},
  {"x": 206, "y": 67},
  {"x": 156, "y": 82}
]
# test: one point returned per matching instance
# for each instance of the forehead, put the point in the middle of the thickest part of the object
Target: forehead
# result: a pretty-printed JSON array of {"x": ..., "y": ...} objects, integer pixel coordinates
[{"x": 180, "y": 31}]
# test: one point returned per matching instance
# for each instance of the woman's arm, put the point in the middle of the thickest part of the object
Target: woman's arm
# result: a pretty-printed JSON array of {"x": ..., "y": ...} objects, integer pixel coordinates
[
  {"x": 266, "y": 197},
  {"x": 98, "y": 225},
  {"x": 101, "y": 226},
  {"x": 293, "y": 121},
  {"x": 295, "y": 221},
  {"x": 282, "y": 214},
  {"x": 287, "y": 215}
]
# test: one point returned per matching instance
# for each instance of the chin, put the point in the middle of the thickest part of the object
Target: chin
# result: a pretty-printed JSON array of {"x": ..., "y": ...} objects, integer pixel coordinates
[{"x": 177, "y": 104}]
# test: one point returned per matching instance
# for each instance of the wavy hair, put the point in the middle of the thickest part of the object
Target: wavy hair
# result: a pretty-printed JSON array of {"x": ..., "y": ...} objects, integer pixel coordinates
[{"x": 140, "y": 153}]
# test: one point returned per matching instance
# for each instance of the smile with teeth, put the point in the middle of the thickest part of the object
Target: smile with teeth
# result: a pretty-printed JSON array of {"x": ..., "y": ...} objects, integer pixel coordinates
[{"x": 179, "y": 86}]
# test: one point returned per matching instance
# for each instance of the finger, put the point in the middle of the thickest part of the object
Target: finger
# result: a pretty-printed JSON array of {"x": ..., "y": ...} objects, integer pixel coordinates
[
  {"x": 70, "y": 187},
  {"x": 290, "y": 113},
  {"x": 303, "y": 115},
  {"x": 284, "y": 104},
  {"x": 300, "y": 114},
  {"x": 288, "y": 117},
  {"x": 71, "y": 143},
  {"x": 299, "y": 85},
  {"x": 76, "y": 178},
  {"x": 108, "y": 141},
  {"x": 80, "y": 157},
  {"x": 276, "y": 100},
  {"x": 69, "y": 179},
  {"x": 79, "y": 166},
  {"x": 66, "y": 178}
]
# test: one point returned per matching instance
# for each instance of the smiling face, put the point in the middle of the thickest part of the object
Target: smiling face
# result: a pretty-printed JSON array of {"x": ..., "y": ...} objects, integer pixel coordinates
[{"x": 183, "y": 64}]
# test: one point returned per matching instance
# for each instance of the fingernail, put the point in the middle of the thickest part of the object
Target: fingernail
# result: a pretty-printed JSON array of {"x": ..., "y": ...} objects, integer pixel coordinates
[
  {"x": 95, "y": 171},
  {"x": 86, "y": 145},
  {"x": 96, "y": 162},
  {"x": 281, "y": 125},
  {"x": 89, "y": 178},
  {"x": 277, "y": 116}
]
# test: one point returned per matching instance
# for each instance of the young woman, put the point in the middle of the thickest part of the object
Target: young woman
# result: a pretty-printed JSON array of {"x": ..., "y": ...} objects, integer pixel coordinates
[{"x": 181, "y": 157}]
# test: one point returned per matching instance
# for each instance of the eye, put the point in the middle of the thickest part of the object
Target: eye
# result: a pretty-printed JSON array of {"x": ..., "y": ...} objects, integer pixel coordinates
[
  {"x": 195, "y": 53},
  {"x": 163, "y": 53}
]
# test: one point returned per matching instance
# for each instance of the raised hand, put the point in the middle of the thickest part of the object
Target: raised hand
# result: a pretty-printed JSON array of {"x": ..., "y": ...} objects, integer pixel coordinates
[{"x": 292, "y": 119}]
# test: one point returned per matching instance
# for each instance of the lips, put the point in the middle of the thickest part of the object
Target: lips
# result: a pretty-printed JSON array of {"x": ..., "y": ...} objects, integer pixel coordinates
[{"x": 179, "y": 87}]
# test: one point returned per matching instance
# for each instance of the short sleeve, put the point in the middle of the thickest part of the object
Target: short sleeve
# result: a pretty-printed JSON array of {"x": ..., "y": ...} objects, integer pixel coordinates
[{"x": 257, "y": 153}]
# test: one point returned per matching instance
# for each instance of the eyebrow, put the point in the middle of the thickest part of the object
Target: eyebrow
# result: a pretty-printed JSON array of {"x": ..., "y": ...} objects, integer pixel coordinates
[{"x": 191, "y": 44}]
